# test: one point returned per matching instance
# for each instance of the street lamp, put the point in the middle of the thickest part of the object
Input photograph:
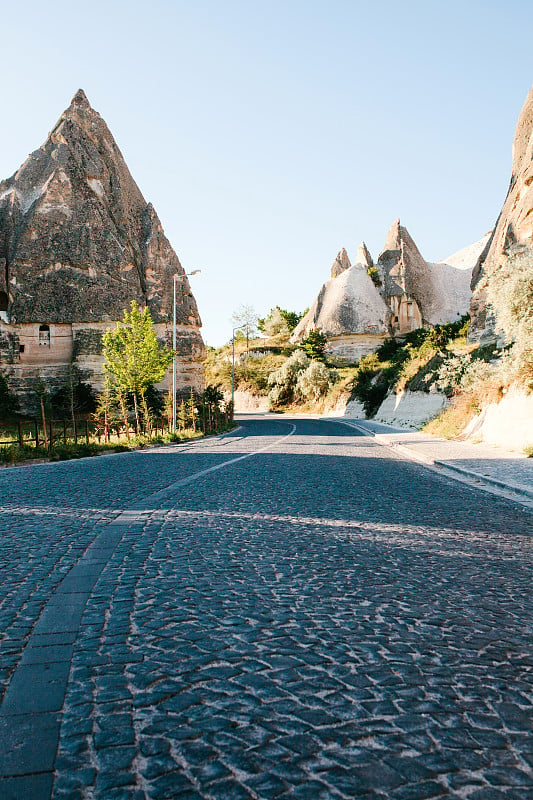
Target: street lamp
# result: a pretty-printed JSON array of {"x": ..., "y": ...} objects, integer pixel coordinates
[
  {"x": 238, "y": 328},
  {"x": 176, "y": 278}
]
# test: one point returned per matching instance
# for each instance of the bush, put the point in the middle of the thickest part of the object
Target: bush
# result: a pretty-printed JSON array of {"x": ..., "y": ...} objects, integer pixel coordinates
[
  {"x": 371, "y": 383},
  {"x": 283, "y": 381},
  {"x": 510, "y": 290},
  {"x": 299, "y": 377},
  {"x": 315, "y": 381}
]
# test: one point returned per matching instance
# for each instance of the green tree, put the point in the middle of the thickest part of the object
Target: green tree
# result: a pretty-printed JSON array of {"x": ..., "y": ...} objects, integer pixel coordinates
[
  {"x": 133, "y": 358},
  {"x": 279, "y": 322},
  {"x": 191, "y": 410},
  {"x": 315, "y": 344},
  {"x": 182, "y": 416},
  {"x": 8, "y": 402}
]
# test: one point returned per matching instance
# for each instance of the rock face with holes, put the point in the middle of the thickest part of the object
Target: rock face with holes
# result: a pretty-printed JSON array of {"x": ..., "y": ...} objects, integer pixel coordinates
[
  {"x": 78, "y": 243},
  {"x": 513, "y": 234}
]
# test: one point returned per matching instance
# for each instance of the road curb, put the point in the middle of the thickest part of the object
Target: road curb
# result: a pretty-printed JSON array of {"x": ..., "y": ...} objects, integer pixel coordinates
[{"x": 388, "y": 441}]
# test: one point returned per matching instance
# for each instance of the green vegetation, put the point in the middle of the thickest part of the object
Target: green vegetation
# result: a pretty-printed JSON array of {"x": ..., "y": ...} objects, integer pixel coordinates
[
  {"x": 510, "y": 290},
  {"x": 373, "y": 272},
  {"x": 8, "y": 402},
  {"x": 134, "y": 360},
  {"x": 299, "y": 378},
  {"x": 315, "y": 344},
  {"x": 411, "y": 363},
  {"x": 64, "y": 451},
  {"x": 279, "y": 322}
]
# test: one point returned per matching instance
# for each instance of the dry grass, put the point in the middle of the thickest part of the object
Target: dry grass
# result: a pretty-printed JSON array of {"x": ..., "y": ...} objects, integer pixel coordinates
[{"x": 454, "y": 419}]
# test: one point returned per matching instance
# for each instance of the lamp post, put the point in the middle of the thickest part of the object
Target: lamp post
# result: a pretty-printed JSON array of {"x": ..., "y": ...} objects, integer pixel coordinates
[
  {"x": 176, "y": 278},
  {"x": 238, "y": 328}
]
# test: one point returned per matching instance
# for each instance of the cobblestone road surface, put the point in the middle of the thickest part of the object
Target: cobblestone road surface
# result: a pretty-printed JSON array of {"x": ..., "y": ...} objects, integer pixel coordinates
[{"x": 292, "y": 611}]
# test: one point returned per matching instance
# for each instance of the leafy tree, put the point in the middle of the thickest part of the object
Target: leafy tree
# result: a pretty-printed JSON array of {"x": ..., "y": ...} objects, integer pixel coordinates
[
  {"x": 315, "y": 344},
  {"x": 279, "y": 322},
  {"x": 106, "y": 406},
  {"x": 246, "y": 316},
  {"x": 8, "y": 402},
  {"x": 373, "y": 273},
  {"x": 182, "y": 416},
  {"x": 74, "y": 397},
  {"x": 133, "y": 358},
  {"x": 191, "y": 410},
  {"x": 211, "y": 399}
]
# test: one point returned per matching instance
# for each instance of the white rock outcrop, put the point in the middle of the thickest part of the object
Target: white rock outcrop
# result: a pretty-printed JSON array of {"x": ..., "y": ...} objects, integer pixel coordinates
[{"x": 508, "y": 423}]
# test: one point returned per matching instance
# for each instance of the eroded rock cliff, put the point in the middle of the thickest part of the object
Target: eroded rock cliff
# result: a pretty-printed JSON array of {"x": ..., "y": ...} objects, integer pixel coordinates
[
  {"x": 513, "y": 234},
  {"x": 78, "y": 243}
]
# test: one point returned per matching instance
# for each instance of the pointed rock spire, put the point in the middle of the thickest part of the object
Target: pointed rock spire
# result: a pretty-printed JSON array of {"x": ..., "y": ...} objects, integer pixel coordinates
[
  {"x": 393, "y": 238},
  {"x": 363, "y": 256},
  {"x": 80, "y": 99},
  {"x": 79, "y": 210},
  {"x": 341, "y": 263}
]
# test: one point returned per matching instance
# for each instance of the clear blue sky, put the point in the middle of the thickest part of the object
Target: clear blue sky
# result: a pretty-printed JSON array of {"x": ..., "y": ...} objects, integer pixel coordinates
[{"x": 270, "y": 134}]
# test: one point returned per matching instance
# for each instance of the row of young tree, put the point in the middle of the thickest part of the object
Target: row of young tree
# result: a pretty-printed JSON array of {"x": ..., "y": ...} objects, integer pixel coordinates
[{"x": 134, "y": 361}]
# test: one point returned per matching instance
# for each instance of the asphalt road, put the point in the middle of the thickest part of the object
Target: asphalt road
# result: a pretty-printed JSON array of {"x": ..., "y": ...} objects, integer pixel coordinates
[{"x": 292, "y": 611}]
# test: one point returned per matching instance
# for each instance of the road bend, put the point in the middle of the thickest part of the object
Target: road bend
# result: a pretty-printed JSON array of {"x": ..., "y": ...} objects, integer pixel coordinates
[{"x": 290, "y": 611}]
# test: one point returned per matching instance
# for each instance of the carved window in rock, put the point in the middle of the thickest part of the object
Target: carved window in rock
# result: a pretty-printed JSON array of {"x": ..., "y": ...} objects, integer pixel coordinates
[
  {"x": 4, "y": 301},
  {"x": 44, "y": 336}
]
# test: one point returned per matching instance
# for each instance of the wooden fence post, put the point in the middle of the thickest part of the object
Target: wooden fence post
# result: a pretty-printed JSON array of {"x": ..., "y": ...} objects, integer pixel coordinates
[
  {"x": 36, "y": 434},
  {"x": 21, "y": 435}
]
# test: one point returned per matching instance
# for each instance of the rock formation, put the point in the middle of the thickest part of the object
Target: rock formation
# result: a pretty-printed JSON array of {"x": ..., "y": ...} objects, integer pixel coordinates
[
  {"x": 341, "y": 263},
  {"x": 78, "y": 243},
  {"x": 420, "y": 292},
  {"x": 513, "y": 234},
  {"x": 348, "y": 309},
  {"x": 356, "y": 315},
  {"x": 363, "y": 256}
]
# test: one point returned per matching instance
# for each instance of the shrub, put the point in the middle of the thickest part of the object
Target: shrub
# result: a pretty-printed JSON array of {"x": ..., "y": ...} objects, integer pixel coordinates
[
  {"x": 283, "y": 381},
  {"x": 315, "y": 381},
  {"x": 373, "y": 273},
  {"x": 510, "y": 290}
]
